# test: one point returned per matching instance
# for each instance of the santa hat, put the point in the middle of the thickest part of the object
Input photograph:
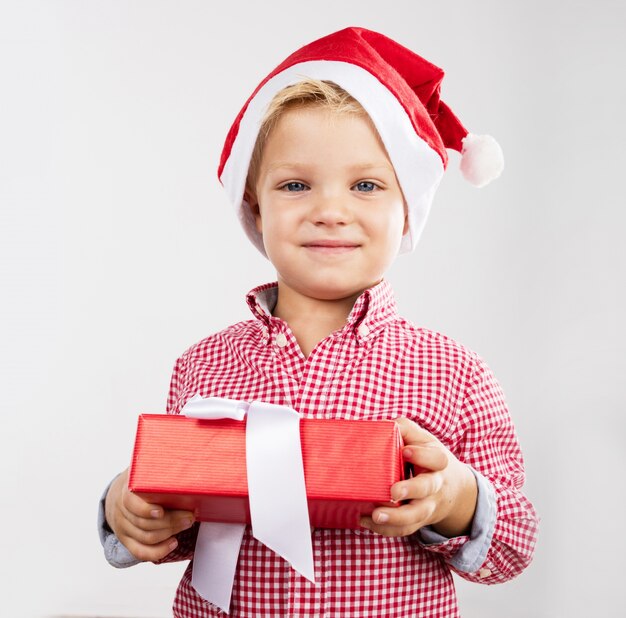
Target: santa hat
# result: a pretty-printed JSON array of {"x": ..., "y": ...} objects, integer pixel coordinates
[{"x": 400, "y": 92}]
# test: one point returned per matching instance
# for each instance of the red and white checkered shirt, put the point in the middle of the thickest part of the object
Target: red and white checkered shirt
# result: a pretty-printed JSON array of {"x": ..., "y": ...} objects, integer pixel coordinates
[{"x": 378, "y": 366}]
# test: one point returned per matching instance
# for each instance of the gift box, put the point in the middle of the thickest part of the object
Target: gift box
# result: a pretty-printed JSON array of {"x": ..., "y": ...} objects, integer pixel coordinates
[{"x": 200, "y": 465}]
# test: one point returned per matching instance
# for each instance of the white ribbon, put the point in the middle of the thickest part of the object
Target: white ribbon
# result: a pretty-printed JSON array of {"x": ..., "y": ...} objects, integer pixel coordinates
[{"x": 276, "y": 492}]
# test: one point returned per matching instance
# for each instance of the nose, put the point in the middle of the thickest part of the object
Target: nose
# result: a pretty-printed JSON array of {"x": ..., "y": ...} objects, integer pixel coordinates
[{"x": 330, "y": 207}]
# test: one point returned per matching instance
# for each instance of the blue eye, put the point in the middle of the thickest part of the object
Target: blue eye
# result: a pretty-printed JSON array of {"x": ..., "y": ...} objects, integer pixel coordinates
[
  {"x": 365, "y": 186},
  {"x": 294, "y": 186}
]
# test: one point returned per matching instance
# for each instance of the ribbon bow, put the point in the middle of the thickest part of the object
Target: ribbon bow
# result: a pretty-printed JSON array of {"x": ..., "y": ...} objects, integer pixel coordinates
[{"x": 276, "y": 491}]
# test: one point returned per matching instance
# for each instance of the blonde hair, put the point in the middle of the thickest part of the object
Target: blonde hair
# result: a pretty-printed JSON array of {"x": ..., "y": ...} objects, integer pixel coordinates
[{"x": 306, "y": 93}]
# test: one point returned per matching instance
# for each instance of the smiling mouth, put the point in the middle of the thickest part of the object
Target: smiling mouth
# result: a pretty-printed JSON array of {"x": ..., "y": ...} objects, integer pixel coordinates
[{"x": 331, "y": 246}]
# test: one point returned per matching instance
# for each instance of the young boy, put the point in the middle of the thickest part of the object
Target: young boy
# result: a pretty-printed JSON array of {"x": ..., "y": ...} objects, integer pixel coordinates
[{"x": 332, "y": 165}]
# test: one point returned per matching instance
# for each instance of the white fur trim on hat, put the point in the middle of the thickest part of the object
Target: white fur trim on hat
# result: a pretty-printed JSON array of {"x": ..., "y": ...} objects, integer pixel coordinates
[{"x": 418, "y": 167}]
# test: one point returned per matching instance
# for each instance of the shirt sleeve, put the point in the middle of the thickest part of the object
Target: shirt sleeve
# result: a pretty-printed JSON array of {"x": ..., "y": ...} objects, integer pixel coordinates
[
  {"x": 503, "y": 535},
  {"x": 471, "y": 550}
]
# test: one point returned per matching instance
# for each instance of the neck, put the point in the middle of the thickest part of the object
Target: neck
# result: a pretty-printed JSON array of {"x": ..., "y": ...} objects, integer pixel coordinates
[{"x": 311, "y": 319}]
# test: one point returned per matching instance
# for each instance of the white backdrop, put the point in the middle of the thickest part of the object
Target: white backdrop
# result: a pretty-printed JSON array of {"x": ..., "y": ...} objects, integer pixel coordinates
[{"x": 119, "y": 250}]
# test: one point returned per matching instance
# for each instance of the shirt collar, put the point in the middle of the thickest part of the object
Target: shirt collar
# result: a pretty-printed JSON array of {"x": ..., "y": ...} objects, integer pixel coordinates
[
  {"x": 262, "y": 301},
  {"x": 374, "y": 308}
]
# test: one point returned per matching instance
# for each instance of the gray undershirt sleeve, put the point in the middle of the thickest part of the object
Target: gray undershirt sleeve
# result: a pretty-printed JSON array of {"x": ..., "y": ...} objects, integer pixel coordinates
[{"x": 473, "y": 553}]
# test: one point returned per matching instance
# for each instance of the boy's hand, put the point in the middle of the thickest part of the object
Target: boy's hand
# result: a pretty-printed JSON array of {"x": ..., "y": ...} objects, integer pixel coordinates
[
  {"x": 443, "y": 494},
  {"x": 147, "y": 530}
]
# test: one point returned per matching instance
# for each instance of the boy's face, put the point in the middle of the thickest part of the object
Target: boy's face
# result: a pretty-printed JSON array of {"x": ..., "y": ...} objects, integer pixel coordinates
[{"x": 328, "y": 204}]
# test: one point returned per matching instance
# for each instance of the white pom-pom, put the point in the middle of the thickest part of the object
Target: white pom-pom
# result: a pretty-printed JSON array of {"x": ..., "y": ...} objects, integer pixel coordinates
[{"x": 481, "y": 159}]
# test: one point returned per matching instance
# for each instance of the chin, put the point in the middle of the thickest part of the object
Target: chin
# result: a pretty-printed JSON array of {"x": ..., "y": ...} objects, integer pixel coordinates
[{"x": 336, "y": 291}]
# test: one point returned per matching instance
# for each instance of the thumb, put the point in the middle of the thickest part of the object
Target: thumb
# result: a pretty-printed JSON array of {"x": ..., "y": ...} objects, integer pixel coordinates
[{"x": 413, "y": 435}]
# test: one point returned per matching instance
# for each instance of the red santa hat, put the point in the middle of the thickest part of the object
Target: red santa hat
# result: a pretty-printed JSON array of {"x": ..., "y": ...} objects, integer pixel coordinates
[{"x": 400, "y": 92}]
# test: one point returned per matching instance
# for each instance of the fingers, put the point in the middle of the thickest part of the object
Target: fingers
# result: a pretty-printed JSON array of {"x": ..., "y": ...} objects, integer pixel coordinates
[
  {"x": 426, "y": 453},
  {"x": 152, "y": 539},
  {"x": 400, "y": 521},
  {"x": 432, "y": 457},
  {"x": 151, "y": 528},
  {"x": 436, "y": 495},
  {"x": 151, "y": 517},
  {"x": 421, "y": 448},
  {"x": 406, "y": 519},
  {"x": 150, "y": 553},
  {"x": 140, "y": 507},
  {"x": 417, "y": 488},
  {"x": 152, "y": 532},
  {"x": 147, "y": 530}
]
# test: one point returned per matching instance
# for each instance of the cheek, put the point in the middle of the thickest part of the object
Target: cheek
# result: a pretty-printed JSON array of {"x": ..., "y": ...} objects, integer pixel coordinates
[
  {"x": 270, "y": 227},
  {"x": 277, "y": 233},
  {"x": 390, "y": 227}
]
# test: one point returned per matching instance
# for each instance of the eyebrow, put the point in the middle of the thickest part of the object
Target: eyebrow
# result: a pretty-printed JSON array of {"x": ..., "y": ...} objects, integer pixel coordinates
[
  {"x": 378, "y": 165},
  {"x": 372, "y": 166}
]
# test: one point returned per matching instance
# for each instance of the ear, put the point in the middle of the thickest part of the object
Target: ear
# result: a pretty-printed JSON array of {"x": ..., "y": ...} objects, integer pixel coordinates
[{"x": 253, "y": 204}]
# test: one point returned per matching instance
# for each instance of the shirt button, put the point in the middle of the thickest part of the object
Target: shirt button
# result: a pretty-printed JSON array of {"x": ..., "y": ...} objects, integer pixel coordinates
[
  {"x": 363, "y": 330},
  {"x": 281, "y": 340},
  {"x": 484, "y": 573}
]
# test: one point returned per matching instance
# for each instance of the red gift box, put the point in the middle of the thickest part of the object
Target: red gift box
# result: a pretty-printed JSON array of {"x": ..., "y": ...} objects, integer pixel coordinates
[{"x": 200, "y": 465}]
